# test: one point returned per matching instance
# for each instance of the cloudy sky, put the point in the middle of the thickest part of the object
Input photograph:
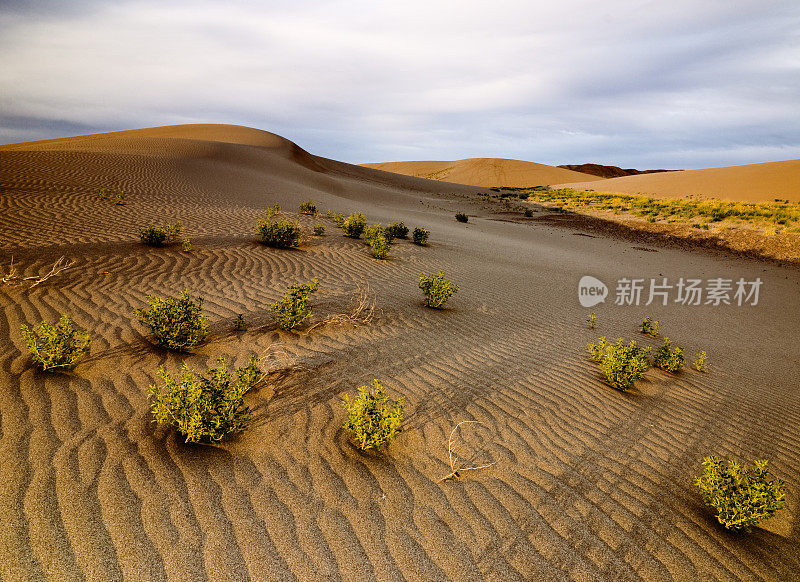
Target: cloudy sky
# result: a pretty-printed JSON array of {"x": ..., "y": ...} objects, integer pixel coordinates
[{"x": 646, "y": 84}]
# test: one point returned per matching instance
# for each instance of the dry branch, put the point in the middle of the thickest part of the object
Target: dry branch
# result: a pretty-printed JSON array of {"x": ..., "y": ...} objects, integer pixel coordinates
[
  {"x": 455, "y": 467},
  {"x": 13, "y": 278},
  {"x": 361, "y": 312}
]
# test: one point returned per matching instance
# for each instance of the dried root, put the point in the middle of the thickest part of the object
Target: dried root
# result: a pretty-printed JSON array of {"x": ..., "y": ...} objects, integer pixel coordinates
[
  {"x": 459, "y": 464},
  {"x": 13, "y": 278}
]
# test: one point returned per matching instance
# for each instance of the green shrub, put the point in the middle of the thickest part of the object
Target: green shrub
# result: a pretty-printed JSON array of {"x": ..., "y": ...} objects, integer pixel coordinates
[
  {"x": 57, "y": 346},
  {"x": 373, "y": 418},
  {"x": 339, "y": 219},
  {"x": 156, "y": 236},
  {"x": 700, "y": 361},
  {"x": 308, "y": 207},
  {"x": 436, "y": 288},
  {"x": 176, "y": 323},
  {"x": 294, "y": 308},
  {"x": 119, "y": 198},
  {"x": 187, "y": 245},
  {"x": 397, "y": 230},
  {"x": 204, "y": 408},
  {"x": 650, "y": 327},
  {"x": 273, "y": 210},
  {"x": 461, "y": 217},
  {"x": 319, "y": 229},
  {"x": 379, "y": 241},
  {"x": 279, "y": 233},
  {"x": 420, "y": 236},
  {"x": 239, "y": 324},
  {"x": 668, "y": 359},
  {"x": 592, "y": 320},
  {"x": 354, "y": 225},
  {"x": 621, "y": 364},
  {"x": 742, "y": 496}
]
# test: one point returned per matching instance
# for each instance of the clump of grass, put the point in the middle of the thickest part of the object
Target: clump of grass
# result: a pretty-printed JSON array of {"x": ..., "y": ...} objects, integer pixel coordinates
[
  {"x": 461, "y": 217},
  {"x": 294, "y": 308},
  {"x": 319, "y": 229},
  {"x": 187, "y": 245},
  {"x": 592, "y": 320},
  {"x": 650, "y": 327},
  {"x": 56, "y": 346},
  {"x": 280, "y": 233},
  {"x": 308, "y": 207},
  {"x": 420, "y": 236},
  {"x": 238, "y": 324},
  {"x": 354, "y": 226},
  {"x": 397, "y": 230},
  {"x": 204, "y": 407},
  {"x": 699, "y": 363},
  {"x": 176, "y": 323},
  {"x": 621, "y": 364},
  {"x": 156, "y": 236},
  {"x": 436, "y": 288},
  {"x": 669, "y": 359},
  {"x": 741, "y": 496},
  {"x": 373, "y": 419}
]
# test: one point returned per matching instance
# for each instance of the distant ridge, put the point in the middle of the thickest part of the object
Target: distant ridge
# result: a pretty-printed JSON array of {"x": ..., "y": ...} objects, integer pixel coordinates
[{"x": 608, "y": 171}]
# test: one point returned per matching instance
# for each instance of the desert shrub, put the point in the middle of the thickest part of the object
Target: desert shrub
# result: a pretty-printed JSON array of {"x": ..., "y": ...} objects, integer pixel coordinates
[
  {"x": 187, "y": 245},
  {"x": 294, "y": 308},
  {"x": 373, "y": 419},
  {"x": 308, "y": 207},
  {"x": 319, "y": 229},
  {"x": 592, "y": 320},
  {"x": 379, "y": 241},
  {"x": 397, "y": 230},
  {"x": 621, "y": 364},
  {"x": 700, "y": 361},
  {"x": 273, "y": 210},
  {"x": 528, "y": 212},
  {"x": 239, "y": 324},
  {"x": 420, "y": 236},
  {"x": 669, "y": 359},
  {"x": 742, "y": 496},
  {"x": 204, "y": 408},
  {"x": 649, "y": 327},
  {"x": 354, "y": 225},
  {"x": 156, "y": 236},
  {"x": 105, "y": 193},
  {"x": 436, "y": 288},
  {"x": 461, "y": 217},
  {"x": 176, "y": 323},
  {"x": 119, "y": 198},
  {"x": 339, "y": 219},
  {"x": 56, "y": 346},
  {"x": 280, "y": 233}
]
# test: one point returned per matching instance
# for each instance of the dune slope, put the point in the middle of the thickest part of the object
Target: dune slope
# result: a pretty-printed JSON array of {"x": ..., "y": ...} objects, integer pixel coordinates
[{"x": 588, "y": 483}]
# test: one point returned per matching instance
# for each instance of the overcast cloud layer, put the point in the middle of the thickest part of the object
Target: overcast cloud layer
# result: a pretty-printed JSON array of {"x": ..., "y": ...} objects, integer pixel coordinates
[{"x": 678, "y": 84}]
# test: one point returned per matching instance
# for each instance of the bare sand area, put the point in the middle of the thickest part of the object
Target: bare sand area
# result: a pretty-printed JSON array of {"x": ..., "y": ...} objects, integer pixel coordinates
[
  {"x": 486, "y": 172},
  {"x": 749, "y": 183},
  {"x": 588, "y": 483}
]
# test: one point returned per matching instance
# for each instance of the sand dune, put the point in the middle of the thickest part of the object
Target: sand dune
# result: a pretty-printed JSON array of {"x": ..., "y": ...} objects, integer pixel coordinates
[
  {"x": 749, "y": 183},
  {"x": 486, "y": 172},
  {"x": 588, "y": 484}
]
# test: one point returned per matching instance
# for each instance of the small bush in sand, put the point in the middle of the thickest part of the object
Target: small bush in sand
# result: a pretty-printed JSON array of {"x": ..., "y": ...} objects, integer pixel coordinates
[
  {"x": 280, "y": 233},
  {"x": 354, "y": 225},
  {"x": 397, "y": 230},
  {"x": 461, "y": 217},
  {"x": 176, "y": 323},
  {"x": 319, "y": 229},
  {"x": 592, "y": 320},
  {"x": 119, "y": 198},
  {"x": 273, "y": 210},
  {"x": 436, "y": 288},
  {"x": 420, "y": 236},
  {"x": 187, "y": 245},
  {"x": 742, "y": 496},
  {"x": 294, "y": 308},
  {"x": 669, "y": 359},
  {"x": 528, "y": 212},
  {"x": 116, "y": 196},
  {"x": 157, "y": 236},
  {"x": 339, "y": 219},
  {"x": 239, "y": 324},
  {"x": 308, "y": 207},
  {"x": 649, "y": 327},
  {"x": 204, "y": 408},
  {"x": 373, "y": 419},
  {"x": 56, "y": 346},
  {"x": 379, "y": 241},
  {"x": 621, "y": 364},
  {"x": 700, "y": 361}
]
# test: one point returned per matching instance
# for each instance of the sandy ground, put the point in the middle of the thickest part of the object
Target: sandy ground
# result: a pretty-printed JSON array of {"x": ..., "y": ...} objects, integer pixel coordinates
[
  {"x": 589, "y": 483},
  {"x": 748, "y": 183},
  {"x": 486, "y": 172}
]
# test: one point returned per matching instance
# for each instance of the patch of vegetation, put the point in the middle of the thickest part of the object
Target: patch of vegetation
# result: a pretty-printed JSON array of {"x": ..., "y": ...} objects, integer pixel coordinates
[
  {"x": 621, "y": 364},
  {"x": 239, "y": 324},
  {"x": 156, "y": 236},
  {"x": 273, "y": 210},
  {"x": 397, "y": 230},
  {"x": 319, "y": 229},
  {"x": 379, "y": 241},
  {"x": 280, "y": 233},
  {"x": 741, "y": 496},
  {"x": 420, "y": 236},
  {"x": 700, "y": 361},
  {"x": 373, "y": 419},
  {"x": 354, "y": 225},
  {"x": 115, "y": 196},
  {"x": 650, "y": 327},
  {"x": 308, "y": 207},
  {"x": 597, "y": 349},
  {"x": 669, "y": 359},
  {"x": 187, "y": 245},
  {"x": 528, "y": 212},
  {"x": 56, "y": 346},
  {"x": 204, "y": 408},
  {"x": 461, "y": 217},
  {"x": 436, "y": 288},
  {"x": 294, "y": 308},
  {"x": 592, "y": 320},
  {"x": 176, "y": 323}
]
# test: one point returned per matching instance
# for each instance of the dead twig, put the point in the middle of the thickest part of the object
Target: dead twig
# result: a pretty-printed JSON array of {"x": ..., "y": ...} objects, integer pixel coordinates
[
  {"x": 455, "y": 468},
  {"x": 13, "y": 278},
  {"x": 361, "y": 313}
]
